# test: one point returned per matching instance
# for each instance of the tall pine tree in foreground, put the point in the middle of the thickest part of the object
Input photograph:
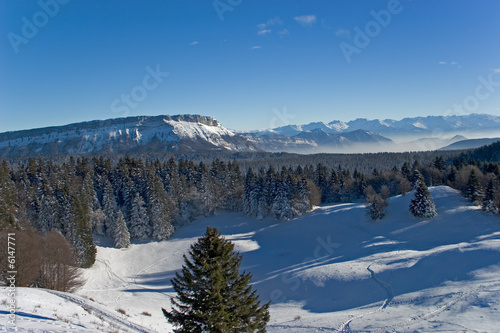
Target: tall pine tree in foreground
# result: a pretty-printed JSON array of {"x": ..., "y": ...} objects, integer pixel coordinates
[
  {"x": 212, "y": 296},
  {"x": 422, "y": 206}
]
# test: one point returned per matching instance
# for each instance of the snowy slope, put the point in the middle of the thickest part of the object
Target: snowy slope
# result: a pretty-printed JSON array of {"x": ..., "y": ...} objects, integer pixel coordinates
[{"x": 332, "y": 270}]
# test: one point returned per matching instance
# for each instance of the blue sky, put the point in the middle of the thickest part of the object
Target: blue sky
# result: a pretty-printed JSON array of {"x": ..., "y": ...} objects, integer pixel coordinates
[{"x": 251, "y": 64}]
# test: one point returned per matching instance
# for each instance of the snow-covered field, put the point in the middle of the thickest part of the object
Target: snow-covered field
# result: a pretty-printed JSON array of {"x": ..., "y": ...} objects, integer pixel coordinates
[{"x": 332, "y": 270}]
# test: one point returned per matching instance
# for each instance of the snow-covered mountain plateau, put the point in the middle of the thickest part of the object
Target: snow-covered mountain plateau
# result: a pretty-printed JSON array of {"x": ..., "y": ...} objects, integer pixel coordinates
[{"x": 125, "y": 135}]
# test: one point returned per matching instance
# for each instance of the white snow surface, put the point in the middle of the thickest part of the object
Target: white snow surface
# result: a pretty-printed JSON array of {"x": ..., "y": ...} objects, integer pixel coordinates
[
  {"x": 212, "y": 134},
  {"x": 332, "y": 270}
]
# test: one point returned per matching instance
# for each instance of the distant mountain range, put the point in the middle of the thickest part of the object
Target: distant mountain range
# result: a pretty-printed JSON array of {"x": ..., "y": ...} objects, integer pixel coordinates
[
  {"x": 195, "y": 133},
  {"x": 395, "y": 128},
  {"x": 319, "y": 141}
]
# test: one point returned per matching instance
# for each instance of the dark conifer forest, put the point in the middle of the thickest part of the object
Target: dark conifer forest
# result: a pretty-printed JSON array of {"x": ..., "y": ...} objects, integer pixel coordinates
[{"x": 147, "y": 197}]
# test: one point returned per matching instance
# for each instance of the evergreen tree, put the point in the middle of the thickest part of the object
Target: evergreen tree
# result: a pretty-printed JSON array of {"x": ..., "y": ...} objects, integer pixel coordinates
[
  {"x": 121, "y": 236},
  {"x": 212, "y": 296},
  {"x": 109, "y": 207},
  {"x": 282, "y": 208},
  {"x": 261, "y": 195},
  {"x": 139, "y": 224},
  {"x": 406, "y": 170},
  {"x": 97, "y": 218},
  {"x": 301, "y": 201},
  {"x": 416, "y": 178},
  {"x": 82, "y": 241},
  {"x": 489, "y": 203},
  {"x": 161, "y": 210},
  {"x": 8, "y": 198},
  {"x": 422, "y": 205},
  {"x": 323, "y": 182},
  {"x": 439, "y": 163},
  {"x": 474, "y": 190},
  {"x": 375, "y": 203},
  {"x": 377, "y": 207},
  {"x": 250, "y": 194},
  {"x": 234, "y": 188}
]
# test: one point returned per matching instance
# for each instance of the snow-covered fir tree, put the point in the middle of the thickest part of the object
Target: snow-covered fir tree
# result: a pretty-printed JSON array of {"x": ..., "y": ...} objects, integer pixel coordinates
[
  {"x": 109, "y": 207},
  {"x": 97, "y": 216},
  {"x": 139, "y": 222},
  {"x": 422, "y": 206},
  {"x": 261, "y": 195},
  {"x": 377, "y": 208},
  {"x": 489, "y": 202},
  {"x": 121, "y": 235},
  {"x": 375, "y": 203},
  {"x": 282, "y": 207},
  {"x": 301, "y": 202},
  {"x": 251, "y": 194},
  {"x": 474, "y": 190},
  {"x": 82, "y": 241},
  {"x": 161, "y": 210}
]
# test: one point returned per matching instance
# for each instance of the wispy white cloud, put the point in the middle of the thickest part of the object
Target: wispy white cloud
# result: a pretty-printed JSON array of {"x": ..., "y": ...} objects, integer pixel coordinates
[
  {"x": 274, "y": 21},
  {"x": 496, "y": 70},
  {"x": 343, "y": 33},
  {"x": 305, "y": 20},
  {"x": 261, "y": 26},
  {"x": 283, "y": 33},
  {"x": 194, "y": 43},
  {"x": 264, "y": 28},
  {"x": 256, "y": 47},
  {"x": 451, "y": 63},
  {"x": 264, "y": 32}
]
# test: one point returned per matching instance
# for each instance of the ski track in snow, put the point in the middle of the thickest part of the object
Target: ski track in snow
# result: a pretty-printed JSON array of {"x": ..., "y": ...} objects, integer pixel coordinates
[
  {"x": 144, "y": 270},
  {"x": 385, "y": 285},
  {"x": 406, "y": 325},
  {"x": 345, "y": 327},
  {"x": 23, "y": 319},
  {"x": 425, "y": 316},
  {"x": 109, "y": 316}
]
